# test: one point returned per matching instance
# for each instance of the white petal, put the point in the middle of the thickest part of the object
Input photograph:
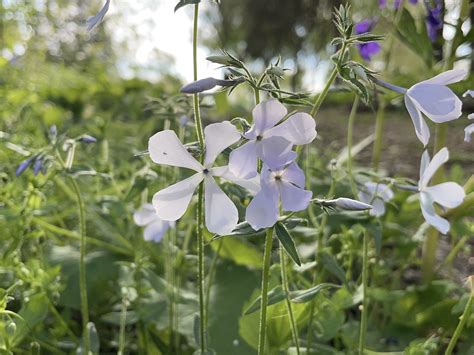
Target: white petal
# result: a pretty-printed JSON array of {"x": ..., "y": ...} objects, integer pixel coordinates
[
  {"x": 439, "y": 159},
  {"x": 94, "y": 21},
  {"x": 275, "y": 152},
  {"x": 266, "y": 115},
  {"x": 470, "y": 116},
  {"x": 448, "y": 77},
  {"x": 294, "y": 175},
  {"x": 378, "y": 207},
  {"x": 467, "y": 132},
  {"x": 298, "y": 129},
  {"x": 421, "y": 128},
  {"x": 262, "y": 211},
  {"x": 221, "y": 214},
  {"x": 156, "y": 230},
  {"x": 243, "y": 160},
  {"x": 252, "y": 185},
  {"x": 437, "y": 102},
  {"x": 219, "y": 136},
  {"x": 447, "y": 194},
  {"x": 441, "y": 224},
  {"x": 468, "y": 92},
  {"x": 165, "y": 148},
  {"x": 145, "y": 215},
  {"x": 171, "y": 203},
  {"x": 425, "y": 161},
  {"x": 294, "y": 198}
]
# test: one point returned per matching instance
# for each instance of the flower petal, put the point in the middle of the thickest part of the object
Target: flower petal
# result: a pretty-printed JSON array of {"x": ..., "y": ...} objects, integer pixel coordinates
[
  {"x": 428, "y": 211},
  {"x": 467, "y": 132},
  {"x": 275, "y": 152},
  {"x": 243, "y": 160},
  {"x": 439, "y": 159},
  {"x": 437, "y": 102},
  {"x": 145, "y": 215},
  {"x": 425, "y": 161},
  {"x": 378, "y": 207},
  {"x": 171, "y": 203},
  {"x": 421, "y": 128},
  {"x": 262, "y": 211},
  {"x": 298, "y": 129},
  {"x": 252, "y": 185},
  {"x": 266, "y": 115},
  {"x": 219, "y": 136},
  {"x": 447, "y": 194},
  {"x": 165, "y": 148},
  {"x": 448, "y": 77},
  {"x": 221, "y": 214},
  {"x": 294, "y": 174},
  {"x": 156, "y": 230},
  {"x": 294, "y": 198}
]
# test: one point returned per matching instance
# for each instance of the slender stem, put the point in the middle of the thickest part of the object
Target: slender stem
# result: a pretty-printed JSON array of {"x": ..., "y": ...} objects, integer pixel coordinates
[
  {"x": 291, "y": 316},
  {"x": 170, "y": 278},
  {"x": 462, "y": 322},
  {"x": 200, "y": 206},
  {"x": 429, "y": 254},
  {"x": 123, "y": 319},
  {"x": 264, "y": 295},
  {"x": 212, "y": 271},
  {"x": 365, "y": 279},
  {"x": 82, "y": 266},
  {"x": 350, "y": 128}
]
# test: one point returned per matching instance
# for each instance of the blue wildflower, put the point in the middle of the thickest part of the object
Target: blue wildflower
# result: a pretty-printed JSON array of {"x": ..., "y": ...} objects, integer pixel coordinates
[{"x": 369, "y": 49}]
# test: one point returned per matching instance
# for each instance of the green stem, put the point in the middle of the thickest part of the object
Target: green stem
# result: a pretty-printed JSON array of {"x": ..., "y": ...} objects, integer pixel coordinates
[
  {"x": 82, "y": 267},
  {"x": 350, "y": 128},
  {"x": 200, "y": 206},
  {"x": 212, "y": 271},
  {"x": 264, "y": 294},
  {"x": 462, "y": 322},
  {"x": 365, "y": 280},
  {"x": 123, "y": 319},
  {"x": 429, "y": 254},
  {"x": 291, "y": 317},
  {"x": 379, "y": 123}
]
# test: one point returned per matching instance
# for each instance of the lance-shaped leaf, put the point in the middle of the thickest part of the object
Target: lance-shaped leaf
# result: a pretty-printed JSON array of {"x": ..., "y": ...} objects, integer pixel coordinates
[
  {"x": 330, "y": 264},
  {"x": 287, "y": 242},
  {"x": 184, "y": 3},
  {"x": 303, "y": 296},
  {"x": 275, "y": 295}
]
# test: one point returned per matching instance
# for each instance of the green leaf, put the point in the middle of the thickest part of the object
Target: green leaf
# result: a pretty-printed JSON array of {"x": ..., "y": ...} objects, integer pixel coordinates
[
  {"x": 239, "y": 251},
  {"x": 275, "y": 295},
  {"x": 330, "y": 264},
  {"x": 184, "y": 3},
  {"x": 287, "y": 242},
  {"x": 303, "y": 296},
  {"x": 33, "y": 312}
]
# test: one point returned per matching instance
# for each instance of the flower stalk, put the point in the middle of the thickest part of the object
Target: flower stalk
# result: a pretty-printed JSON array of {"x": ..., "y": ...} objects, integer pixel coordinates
[
  {"x": 264, "y": 293},
  {"x": 365, "y": 280}
]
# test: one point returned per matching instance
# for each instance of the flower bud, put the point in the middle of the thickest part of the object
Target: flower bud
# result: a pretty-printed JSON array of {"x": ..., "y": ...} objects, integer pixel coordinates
[
  {"x": 23, "y": 166},
  {"x": 199, "y": 86},
  {"x": 37, "y": 166},
  {"x": 345, "y": 204},
  {"x": 87, "y": 139}
]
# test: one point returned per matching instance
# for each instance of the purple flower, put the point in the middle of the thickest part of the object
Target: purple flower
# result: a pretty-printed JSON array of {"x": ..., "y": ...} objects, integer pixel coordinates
[
  {"x": 87, "y": 139},
  {"x": 434, "y": 20},
  {"x": 23, "y": 166},
  {"x": 369, "y": 49},
  {"x": 397, "y": 3},
  {"x": 382, "y": 3},
  {"x": 37, "y": 166}
]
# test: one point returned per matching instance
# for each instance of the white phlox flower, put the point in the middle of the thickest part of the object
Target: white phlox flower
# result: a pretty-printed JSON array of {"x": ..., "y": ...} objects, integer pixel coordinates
[
  {"x": 298, "y": 129},
  {"x": 221, "y": 215},
  {"x": 446, "y": 194},
  {"x": 435, "y": 100},
  {"x": 285, "y": 184},
  {"x": 155, "y": 228},
  {"x": 376, "y": 195}
]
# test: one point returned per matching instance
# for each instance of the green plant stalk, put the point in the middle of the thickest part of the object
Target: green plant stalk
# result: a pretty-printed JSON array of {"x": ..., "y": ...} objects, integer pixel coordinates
[
  {"x": 365, "y": 280},
  {"x": 170, "y": 277},
  {"x": 264, "y": 293},
  {"x": 200, "y": 206},
  {"x": 123, "y": 319},
  {"x": 380, "y": 117},
  {"x": 82, "y": 266},
  {"x": 462, "y": 322},
  {"x": 291, "y": 316},
  {"x": 430, "y": 246},
  {"x": 350, "y": 128},
  {"x": 212, "y": 271}
]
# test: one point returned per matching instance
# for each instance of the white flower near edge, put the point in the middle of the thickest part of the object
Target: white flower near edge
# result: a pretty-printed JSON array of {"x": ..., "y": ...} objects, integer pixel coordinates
[
  {"x": 285, "y": 184},
  {"x": 376, "y": 195},
  {"x": 446, "y": 194},
  {"x": 298, "y": 129},
  {"x": 155, "y": 228},
  {"x": 221, "y": 215},
  {"x": 435, "y": 100}
]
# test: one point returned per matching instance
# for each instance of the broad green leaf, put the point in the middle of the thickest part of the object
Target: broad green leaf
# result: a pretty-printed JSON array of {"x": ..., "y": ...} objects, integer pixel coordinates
[
  {"x": 275, "y": 295},
  {"x": 330, "y": 264},
  {"x": 238, "y": 250},
  {"x": 287, "y": 242},
  {"x": 33, "y": 312},
  {"x": 303, "y": 296}
]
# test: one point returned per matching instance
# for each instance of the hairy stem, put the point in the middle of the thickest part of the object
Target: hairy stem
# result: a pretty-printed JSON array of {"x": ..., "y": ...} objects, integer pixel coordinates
[
  {"x": 291, "y": 316},
  {"x": 365, "y": 280},
  {"x": 264, "y": 293},
  {"x": 350, "y": 128},
  {"x": 82, "y": 266}
]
